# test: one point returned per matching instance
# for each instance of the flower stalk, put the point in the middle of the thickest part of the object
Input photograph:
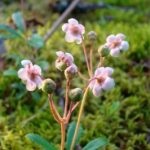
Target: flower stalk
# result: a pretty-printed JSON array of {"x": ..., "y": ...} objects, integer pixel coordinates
[
  {"x": 63, "y": 134},
  {"x": 86, "y": 59},
  {"x": 91, "y": 61},
  {"x": 66, "y": 97},
  {"x": 79, "y": 117}
]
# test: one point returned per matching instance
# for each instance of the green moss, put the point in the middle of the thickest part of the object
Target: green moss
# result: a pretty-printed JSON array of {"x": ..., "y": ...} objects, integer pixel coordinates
[{"x": 121, "y": 114}]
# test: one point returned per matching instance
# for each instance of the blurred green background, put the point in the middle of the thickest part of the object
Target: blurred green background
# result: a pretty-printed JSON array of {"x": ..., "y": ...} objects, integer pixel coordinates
[{"x": 121, "y": 115}]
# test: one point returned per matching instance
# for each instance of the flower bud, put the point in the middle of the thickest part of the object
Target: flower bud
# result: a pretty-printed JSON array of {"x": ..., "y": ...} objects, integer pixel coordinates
[
  {"x": 92, "y": 36},
  {"x": 103, "y": 50},
  {"x": 60, "y": 65},
  {"x": 71, "y": 71},
  {"x": 48, "y": 86},
  {"x": 75, "y": 94}
]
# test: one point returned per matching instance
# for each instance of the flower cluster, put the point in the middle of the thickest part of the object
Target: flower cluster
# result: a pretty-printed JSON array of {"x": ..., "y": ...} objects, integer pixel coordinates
[
  {"x": 99, "y": 81},
  {"x": 114, "y": 45},
  {"x": 65, "y": 61}
]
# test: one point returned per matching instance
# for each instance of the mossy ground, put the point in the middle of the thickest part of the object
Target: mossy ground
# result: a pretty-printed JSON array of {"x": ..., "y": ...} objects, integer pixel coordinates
[{"x": 121, "y": 115}]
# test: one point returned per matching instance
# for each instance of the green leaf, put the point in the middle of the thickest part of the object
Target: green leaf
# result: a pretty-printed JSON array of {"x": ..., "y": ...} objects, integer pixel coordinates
[
  {"x": 19, "y": 21},
  {"x": 36, "y": 96},
  {"x": 40, "y": 141},
  {"x": 36, "y": 41},
  {"x": 43, "y": 64},
  {"x": 7, "y": 32},
  {"x": 10, "y": 72},
  {"x": 96, "y": 144},
  {"x": 70, "y": 134}
]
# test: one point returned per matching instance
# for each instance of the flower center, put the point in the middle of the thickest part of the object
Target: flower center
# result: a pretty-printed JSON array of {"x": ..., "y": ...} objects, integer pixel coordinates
[
  {"x": 115, "y": 44},
  {"x": 100, "y": 80},
  {"x": 74, "y": 29},
  {"x": 32, "y": 75}
]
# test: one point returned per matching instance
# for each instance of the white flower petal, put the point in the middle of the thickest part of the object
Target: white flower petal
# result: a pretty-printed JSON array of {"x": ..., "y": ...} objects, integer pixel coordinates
[
  {"x": 69, "y": 38},
  {"x": 38, "y": 81},
  {"x": 30, "y": 85},
  {"x": 91, "y": 84},
  {"x": 97, "y": 89},
  {"x": 115, "y": 52},
  {"x": 111, "y": 38},
  {"x": 79, "y": 40},
  {"x": 120, "y": 36},
  {"x": 124, "y": 45},
  {"x": 108, "y": 71},
  {"x": 98, "y": 71},
  {"x": 108, "y": 84},
  {"x": 22, "y": 74},
  {"x": 26, "y": 62},
  {"x": 70, "y": 57},
  {"x": 60, "y": 53},
  {"x": 82, "y": 28},
  {"x": 37, "y": 69},
  {"x": 65, "y": 27},
  {"x": 72, "y": 21}
]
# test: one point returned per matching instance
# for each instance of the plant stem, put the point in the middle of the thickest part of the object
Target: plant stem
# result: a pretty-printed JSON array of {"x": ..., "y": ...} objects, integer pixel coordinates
[
  {"x": 62, "y": 136},
  {"x": 101, "y": 63},
  {"x": 91, "y": 61},
  {"x": 66, "y": 98},
  {"x": 79, "y": 118},
  {"x": 86, "y": 59}
]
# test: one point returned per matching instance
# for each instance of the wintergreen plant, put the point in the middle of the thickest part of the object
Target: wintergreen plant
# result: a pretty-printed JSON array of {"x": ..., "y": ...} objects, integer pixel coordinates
[{"x": 98, "y": 81}]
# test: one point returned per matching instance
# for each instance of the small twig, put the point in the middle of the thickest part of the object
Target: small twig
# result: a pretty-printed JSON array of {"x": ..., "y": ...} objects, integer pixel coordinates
[
  {"x": 86, "y": 59},
  {"x": 60, "y": 19},
  {"x": 91, "y": 61},
  {"x": 54, "y": 111},
  {"x": 83, "y": 101},
  {"x": 67, "y": 97},
  {"x": 101, "y": 63}
]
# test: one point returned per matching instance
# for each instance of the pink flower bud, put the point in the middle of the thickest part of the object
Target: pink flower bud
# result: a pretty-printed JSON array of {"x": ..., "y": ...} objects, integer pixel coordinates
[
  {"x": 71, "y": 71},
  {"x": 64, "y": 60}
]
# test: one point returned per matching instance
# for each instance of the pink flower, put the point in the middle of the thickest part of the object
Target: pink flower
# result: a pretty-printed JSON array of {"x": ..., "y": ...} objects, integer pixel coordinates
[
  {"x": 101, "y": 80},
  {"x": 116, "y": 44},
  {"x": 74, "y": 31},
  {"x": 64, "y": 60},
  {"x": 30, "y": 74}
]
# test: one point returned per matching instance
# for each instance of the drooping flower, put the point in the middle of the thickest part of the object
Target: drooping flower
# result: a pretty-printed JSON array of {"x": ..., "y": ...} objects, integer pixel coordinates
[
  {"x": 116, "y": 44},
  {"x": 71, "y": 71},
  {"x": 30, "y": 74},
  {"x": 74, "y": 31},
  {"x": 64, "y": 60},
  {"x": 101, "y": 80}
]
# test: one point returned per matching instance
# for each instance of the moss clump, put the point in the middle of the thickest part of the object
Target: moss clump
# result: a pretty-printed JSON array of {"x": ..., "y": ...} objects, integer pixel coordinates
[{"x": 121, "y": 114}]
